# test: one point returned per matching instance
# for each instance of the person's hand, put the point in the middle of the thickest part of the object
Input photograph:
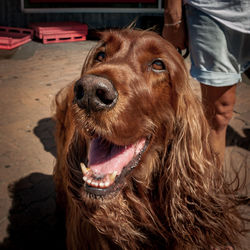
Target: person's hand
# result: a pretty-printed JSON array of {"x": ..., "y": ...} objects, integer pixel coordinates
[
  {"x": 174, "y": 29},
  {"x": 176, "y": 34}
]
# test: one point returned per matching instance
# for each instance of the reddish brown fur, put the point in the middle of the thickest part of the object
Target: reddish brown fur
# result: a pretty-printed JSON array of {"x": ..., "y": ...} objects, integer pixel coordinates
[{"x": 176, "y": 198}]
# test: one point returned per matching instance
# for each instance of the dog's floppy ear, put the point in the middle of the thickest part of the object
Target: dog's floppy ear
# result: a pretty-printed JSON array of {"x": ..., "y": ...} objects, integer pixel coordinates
[
  {"x": 192, "y": 189},
  {"x": 63, "y": 117},
  {"x": 63, "y": 134}
]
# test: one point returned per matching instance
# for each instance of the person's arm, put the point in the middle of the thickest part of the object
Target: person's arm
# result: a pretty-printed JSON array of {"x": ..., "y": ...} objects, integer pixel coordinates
[{"x": 174, "y": 29}]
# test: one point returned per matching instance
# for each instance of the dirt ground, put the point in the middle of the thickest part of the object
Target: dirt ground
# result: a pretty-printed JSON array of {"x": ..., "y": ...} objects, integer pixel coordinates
[{"x": 30, "y": 76}]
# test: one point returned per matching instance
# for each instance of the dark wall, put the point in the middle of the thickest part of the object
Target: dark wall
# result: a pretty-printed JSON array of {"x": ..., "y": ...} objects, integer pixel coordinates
[{"x": 11, "y": 15}]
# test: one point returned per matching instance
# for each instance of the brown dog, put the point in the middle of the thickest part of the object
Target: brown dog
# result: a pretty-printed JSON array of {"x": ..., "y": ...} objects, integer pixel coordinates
[{"x": 134, "y": 168}]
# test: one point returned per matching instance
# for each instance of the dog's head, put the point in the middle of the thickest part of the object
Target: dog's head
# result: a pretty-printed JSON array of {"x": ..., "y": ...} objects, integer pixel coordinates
[{"x": 131, "y": 104}]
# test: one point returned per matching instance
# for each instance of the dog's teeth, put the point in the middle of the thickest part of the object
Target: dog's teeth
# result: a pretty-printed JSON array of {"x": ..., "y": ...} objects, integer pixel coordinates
[
  {"x": 107, "y": 184},
  {"x": 84, "y": 169},
  {"x": 104, "y": 183},
  {"x": 101, "y": 185},
  {"x": 89, "y": 181},
  {"x": 112, "y": 176},
  {"x": 94, "y": 183}
]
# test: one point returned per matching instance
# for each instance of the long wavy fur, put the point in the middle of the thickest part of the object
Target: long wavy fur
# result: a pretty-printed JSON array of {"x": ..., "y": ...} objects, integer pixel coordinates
[{"x": 177, "y": 197}]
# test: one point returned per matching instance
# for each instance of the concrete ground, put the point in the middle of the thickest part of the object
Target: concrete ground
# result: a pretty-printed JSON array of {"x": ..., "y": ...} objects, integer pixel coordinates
[{"x": 30, "y": 76}]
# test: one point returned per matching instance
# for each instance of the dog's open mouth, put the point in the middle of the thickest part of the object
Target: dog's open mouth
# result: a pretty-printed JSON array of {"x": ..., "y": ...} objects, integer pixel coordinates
[{"x": 108, "y": 164}]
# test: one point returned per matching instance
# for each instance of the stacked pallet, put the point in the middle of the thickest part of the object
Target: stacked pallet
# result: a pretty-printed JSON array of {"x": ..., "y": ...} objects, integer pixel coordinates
[
  {"x": 58, "y": 32},
  {"x": 11, "y": 37}
]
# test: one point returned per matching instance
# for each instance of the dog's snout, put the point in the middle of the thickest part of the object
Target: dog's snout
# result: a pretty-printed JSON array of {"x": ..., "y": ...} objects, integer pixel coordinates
[{"x": 95, "y": 93}]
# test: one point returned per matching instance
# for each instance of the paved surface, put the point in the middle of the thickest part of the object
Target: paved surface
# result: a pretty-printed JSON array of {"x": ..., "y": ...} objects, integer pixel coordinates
[{"x": 30, "y": 76}]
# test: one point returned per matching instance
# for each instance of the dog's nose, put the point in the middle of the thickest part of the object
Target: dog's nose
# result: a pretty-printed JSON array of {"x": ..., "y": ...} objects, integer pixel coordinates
[{"x": 95, "y": 93}]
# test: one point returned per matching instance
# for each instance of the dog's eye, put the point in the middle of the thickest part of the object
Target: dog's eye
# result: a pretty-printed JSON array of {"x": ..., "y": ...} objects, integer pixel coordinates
[
  {"x": 158, "y": 66},
  {"x": 100, "y": 56}
]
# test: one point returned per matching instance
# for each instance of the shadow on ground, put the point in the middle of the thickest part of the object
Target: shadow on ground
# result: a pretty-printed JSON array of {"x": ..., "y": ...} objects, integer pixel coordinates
[
  {"x": 33, "y": 219},
  {"x": 45, "y": 131},
  {"x": 34, "y": 222},
  {"x": 235, "y": 139}
]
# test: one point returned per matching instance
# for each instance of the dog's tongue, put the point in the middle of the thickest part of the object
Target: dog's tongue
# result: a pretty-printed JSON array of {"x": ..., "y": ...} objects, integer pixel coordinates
[{"x": 105, "y": 157}]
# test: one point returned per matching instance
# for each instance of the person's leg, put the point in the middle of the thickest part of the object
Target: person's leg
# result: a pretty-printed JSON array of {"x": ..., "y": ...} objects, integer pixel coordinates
[
  {"x": 217, "y": 64},
  {"x": 218, "y": 103}
]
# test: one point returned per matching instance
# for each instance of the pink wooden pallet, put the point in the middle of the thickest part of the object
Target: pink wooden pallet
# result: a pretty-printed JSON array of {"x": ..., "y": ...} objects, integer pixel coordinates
[
  {"x": 64, "y": 37},
  {"x": 42, "y": 29},
  {"x": 17, "y": 30},
  {"x": 11, "y": 38}
]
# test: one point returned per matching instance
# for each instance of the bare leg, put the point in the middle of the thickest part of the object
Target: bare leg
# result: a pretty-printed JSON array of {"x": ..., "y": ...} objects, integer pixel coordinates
[{"x": 219, "y": 103}]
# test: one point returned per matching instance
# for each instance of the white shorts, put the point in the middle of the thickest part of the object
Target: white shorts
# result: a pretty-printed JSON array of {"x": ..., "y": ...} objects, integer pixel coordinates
[{"x": 218, "y": 54}]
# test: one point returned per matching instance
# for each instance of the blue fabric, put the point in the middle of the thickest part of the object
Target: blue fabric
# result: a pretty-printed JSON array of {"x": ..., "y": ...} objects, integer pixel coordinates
[
  {"x": 235, "y": 14},
  {"x": 218, "y": 54}
]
